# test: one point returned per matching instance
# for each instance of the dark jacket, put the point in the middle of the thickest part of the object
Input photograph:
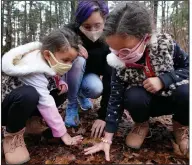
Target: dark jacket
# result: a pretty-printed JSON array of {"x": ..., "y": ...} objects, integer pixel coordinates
[
  {"x": 171, "y": 65},
  {"x": 97, "y": 64}
]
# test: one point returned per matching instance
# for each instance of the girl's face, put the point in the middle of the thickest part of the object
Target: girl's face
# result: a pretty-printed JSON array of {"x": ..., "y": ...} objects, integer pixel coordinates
[
  {"x": 94, "y": 23},
  {"x": 117, "y": 42},
  {"x": 66, "y": 56}
]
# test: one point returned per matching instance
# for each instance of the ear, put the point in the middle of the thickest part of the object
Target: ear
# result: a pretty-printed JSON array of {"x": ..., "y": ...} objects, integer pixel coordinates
[{"x": 46, "y": 55}]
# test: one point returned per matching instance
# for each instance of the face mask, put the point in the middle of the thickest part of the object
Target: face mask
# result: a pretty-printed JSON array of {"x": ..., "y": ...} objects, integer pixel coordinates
[
  {"x": 92, "y": 35},
  {"x": 59, "y": 67},
  {"x": 131, "y": 55}
]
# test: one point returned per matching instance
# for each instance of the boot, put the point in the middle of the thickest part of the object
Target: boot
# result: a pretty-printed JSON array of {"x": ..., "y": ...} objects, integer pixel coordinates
[
  {"x": 181, "y": 134},
  {"x": 35, "y": 125},
  {"x": 85, "y": 103},
  {"x": 14, "y": 148},
  {"x": 137, "y": 135},
  {"x": 72, "y": 116}
]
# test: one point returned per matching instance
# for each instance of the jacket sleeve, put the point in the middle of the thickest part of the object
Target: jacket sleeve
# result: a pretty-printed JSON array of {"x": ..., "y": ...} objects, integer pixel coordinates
[
  {"x": 46, "y": 105},
  {"x": 116, "y": 104},
  {"x": 106, "y": 92},
  {"x": 181, "y": 66}
]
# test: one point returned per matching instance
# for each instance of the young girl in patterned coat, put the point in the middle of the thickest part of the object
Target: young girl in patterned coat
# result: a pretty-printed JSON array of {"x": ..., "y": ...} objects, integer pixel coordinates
[{"x": 150, "y": 78}]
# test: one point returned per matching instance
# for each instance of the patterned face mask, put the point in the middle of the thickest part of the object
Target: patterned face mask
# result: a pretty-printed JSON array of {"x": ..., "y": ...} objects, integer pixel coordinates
[
  {"x": 59, "y": 68},
  {"x": 131, "y": 55}
]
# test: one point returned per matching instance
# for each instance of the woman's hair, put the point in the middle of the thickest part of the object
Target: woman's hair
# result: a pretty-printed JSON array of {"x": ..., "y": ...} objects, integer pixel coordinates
[
  {"x": 60, "y": 38},
  {"x": 85, "y": 8},
  {"x": 128, "y": 18}
]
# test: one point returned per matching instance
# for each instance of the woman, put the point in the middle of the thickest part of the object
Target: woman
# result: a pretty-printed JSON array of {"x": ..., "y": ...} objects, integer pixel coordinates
[
  {"x": 150, "y": 78},
  {"x": 84, "y": 78}
]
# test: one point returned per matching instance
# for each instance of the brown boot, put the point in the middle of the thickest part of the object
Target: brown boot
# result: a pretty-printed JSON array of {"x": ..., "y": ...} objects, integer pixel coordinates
[
  {"x": 35, "y": 125},
  {"x": 181, "y": 134},
  {"x": 14, "y": 148},
  {"x": 137, "y": 135}
]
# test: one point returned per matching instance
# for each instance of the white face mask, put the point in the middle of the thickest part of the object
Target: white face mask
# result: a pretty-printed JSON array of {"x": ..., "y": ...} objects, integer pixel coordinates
[
  {"x": 59, "y": 68},
  {"x": 92, "y": 35}
]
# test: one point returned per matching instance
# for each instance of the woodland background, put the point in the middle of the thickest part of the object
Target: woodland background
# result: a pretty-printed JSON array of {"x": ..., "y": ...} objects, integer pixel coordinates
[{"x": 26, "y": 21}]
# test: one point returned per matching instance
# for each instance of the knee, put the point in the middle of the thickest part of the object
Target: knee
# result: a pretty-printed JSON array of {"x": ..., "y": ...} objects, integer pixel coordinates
[
  {"x": 181, "y": 94},
  {"x": 95, "y": 91},
  {"x": 135, "y": 97},
  {"x": 92, "y": 86},
  {"x": 27, "y": 94},
  {"x": 79, "y": 64}
]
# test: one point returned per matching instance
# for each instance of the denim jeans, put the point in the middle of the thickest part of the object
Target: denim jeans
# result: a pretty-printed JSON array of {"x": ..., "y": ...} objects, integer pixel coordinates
[{"x": 79, "y": 84}]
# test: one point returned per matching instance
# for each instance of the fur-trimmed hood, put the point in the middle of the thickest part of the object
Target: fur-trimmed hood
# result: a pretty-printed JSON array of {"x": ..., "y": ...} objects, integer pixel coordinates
[
  {"x": 153, "y": 44},
  {"x": 24, "y": 60}
]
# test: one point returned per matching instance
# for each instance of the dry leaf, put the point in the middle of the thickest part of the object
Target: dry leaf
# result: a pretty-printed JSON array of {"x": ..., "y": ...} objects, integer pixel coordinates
[{"x": 48, "y": 162}]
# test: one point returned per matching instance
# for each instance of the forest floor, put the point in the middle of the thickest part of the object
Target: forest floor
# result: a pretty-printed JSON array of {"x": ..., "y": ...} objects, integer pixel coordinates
[{"x": 157, "y": 149}]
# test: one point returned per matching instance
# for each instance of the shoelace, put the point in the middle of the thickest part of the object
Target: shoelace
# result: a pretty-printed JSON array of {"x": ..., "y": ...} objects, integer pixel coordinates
[{"x": 17, "y": 141}]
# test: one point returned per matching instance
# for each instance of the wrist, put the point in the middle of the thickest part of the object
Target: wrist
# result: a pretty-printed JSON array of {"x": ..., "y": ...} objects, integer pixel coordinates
[{"x": 108, "y": 136}]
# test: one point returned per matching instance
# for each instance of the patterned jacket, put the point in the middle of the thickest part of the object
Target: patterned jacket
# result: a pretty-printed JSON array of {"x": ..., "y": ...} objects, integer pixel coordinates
[{"x": 168, "y": 61}]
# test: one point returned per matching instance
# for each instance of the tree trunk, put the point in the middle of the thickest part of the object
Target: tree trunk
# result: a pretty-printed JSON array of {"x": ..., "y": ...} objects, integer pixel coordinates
[
  {"x": 73, "y": 8},
  {"x": 40, "y": 19},
  {"x": 25, "y": 24},
  {"x": 56, "y": 14},
  {"x": 167, "y": 16},
  {"x": 50, "y": 18},
  {"x": 163, "y": 17},
  {"x": 2, "y": 22},
  {"x": 8, "y": 30},
  {"x": 155, "y": 12},
  {"x": 30, "y": 23}
]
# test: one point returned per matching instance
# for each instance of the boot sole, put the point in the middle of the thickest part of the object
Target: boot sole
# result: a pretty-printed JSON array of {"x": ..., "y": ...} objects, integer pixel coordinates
[
  {"x": 85, "y": 109},
  {"x": 21, "y": 162},
  {"x": 134, "y": 147}
]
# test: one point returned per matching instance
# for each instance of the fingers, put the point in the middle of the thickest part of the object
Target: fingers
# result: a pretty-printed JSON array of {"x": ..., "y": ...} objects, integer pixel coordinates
[
  {"x": 76, "y": 140},
  {"x": 90, "y": 148},
  {"x": 92, "y": 151},
  {"x": 107, "y": 157},
  {"x": 93, "y": 130},
  {"x": 101, "y": 130},
  {"x": 147, "y": 85},
  {"x": 97, "y": 131}
]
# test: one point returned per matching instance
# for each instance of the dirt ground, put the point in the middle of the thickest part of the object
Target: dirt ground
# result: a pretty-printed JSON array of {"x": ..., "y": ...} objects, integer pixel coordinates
[{"x": 158, "y": 148}]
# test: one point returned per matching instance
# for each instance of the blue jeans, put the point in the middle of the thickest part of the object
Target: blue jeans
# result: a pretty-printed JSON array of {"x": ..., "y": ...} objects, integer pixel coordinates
[{"x": 88, "y": 85}]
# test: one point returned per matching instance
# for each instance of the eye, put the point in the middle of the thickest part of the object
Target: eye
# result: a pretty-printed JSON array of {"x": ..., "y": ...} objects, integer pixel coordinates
[
  {"x": 98, "y": 25},
  {"x": 87, "y": 27}
]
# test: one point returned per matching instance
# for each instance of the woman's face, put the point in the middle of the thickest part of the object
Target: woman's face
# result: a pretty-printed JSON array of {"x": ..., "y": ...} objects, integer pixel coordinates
[
  {"x": 94, "y": 23},
  {"x": 117, "y": 42}
]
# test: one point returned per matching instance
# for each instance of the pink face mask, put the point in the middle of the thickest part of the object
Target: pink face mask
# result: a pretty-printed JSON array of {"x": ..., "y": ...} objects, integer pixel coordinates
[{"x": 131, "y": 55}]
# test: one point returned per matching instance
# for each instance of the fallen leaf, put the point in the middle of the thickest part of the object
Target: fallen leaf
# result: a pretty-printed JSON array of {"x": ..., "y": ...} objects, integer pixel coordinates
[
  {"x": 48, "y": 162},
  {"x": 64, "y": 159}
]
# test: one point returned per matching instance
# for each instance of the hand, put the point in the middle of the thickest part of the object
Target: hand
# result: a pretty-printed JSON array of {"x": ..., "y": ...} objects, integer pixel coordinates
[
  {"x": 68, "y": 140},
  {"x": 83, "y": 52},
  {"x": 153, "y": 84},
  {"x": 62, "y": 88},
  {"x": 97, "y": 128},
  {"x": 99, "y": 147}
]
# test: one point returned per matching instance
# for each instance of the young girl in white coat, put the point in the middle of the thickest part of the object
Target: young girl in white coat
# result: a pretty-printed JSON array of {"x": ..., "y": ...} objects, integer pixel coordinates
[{"x": 25, "y": 89}]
